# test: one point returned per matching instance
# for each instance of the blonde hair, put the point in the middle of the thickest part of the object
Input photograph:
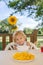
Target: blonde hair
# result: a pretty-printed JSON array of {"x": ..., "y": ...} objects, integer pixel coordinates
[{"x": 17, "y": 33}]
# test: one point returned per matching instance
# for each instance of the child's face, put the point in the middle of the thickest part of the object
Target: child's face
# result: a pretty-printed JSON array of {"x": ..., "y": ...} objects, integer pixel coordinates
[{"x": 20, "y": 39}]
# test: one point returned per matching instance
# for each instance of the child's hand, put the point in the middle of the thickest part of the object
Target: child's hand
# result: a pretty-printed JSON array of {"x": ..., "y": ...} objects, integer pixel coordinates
[
  {"x": 28, "y": 44},
  {"x": 15, "y": 47}
]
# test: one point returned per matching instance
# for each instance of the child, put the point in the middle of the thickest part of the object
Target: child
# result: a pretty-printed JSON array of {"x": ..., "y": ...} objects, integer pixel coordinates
[{"x": 20, "y": 42}]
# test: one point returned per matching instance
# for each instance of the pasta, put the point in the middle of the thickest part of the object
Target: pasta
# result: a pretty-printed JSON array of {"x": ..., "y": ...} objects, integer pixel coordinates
[{"x": 23, "y": 56}]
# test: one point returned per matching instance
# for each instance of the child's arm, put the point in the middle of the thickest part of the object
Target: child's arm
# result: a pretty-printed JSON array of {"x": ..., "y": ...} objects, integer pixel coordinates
[
  {"x": 11, "y": 46},
  {"x": 28, "y": 44},
  {"x": 33, "y": 46}
]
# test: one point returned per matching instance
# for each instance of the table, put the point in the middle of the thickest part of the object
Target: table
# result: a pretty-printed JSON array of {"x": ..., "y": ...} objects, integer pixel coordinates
[{"x": 6, "y": 58}]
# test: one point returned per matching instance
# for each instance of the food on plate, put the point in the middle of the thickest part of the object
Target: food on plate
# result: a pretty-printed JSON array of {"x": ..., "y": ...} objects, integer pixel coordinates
[{"x": 23, "y": 56}]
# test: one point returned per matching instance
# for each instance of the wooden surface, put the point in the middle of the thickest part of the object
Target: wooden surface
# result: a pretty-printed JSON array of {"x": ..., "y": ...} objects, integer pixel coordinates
[{"x": 4, "y": 39}]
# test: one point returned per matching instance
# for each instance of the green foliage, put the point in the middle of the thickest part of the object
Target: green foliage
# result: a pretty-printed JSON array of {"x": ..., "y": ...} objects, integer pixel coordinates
[
  {"x": 0, "y": 45},
  {"x": 38, "y": 45},
  {"x": 40, "y": 31},
  {"x": 13, "y": 3},
  {"x": 5, "y": 27},
  {"x": 21, "y": 5},
  {"x": 39, "y": 12},
  {"x": 28, "y": 31}
]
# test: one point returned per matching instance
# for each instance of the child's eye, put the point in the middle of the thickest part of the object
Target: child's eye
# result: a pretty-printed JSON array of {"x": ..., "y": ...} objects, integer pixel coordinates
[{"x": 20, "y": 38}]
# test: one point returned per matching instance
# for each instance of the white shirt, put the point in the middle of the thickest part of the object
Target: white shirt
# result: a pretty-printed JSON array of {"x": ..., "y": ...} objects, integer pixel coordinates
[{"x": 23, "y": 47}]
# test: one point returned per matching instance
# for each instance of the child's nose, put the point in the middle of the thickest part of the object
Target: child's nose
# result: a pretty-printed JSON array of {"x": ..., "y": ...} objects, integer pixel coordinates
[{"x": 19, "y": 40}]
